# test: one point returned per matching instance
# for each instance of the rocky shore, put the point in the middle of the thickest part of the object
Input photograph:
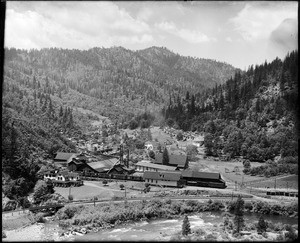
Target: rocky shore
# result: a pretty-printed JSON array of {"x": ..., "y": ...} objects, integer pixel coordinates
[{"x": 37, "y": 232}]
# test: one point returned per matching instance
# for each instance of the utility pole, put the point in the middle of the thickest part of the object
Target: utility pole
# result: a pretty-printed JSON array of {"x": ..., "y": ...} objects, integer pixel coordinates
[{"x": 125, "y": 199}]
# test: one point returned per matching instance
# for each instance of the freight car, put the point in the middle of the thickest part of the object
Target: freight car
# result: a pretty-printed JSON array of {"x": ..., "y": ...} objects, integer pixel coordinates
[{"x": 203, "y": 179}]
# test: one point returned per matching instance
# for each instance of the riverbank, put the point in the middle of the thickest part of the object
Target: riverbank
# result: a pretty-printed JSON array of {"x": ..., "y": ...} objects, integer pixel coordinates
[
  {"x": 84, "y": 219},
  {"x": 205, "y": 226},
  {"x": 78, "y": 220}
]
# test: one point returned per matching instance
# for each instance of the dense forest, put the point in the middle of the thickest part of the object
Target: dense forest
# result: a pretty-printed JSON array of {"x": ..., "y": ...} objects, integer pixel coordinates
[
  {"x": 32, "y": 130},
  {"x": 110, "y": 80},
  {"x": 254, "y": 114}
]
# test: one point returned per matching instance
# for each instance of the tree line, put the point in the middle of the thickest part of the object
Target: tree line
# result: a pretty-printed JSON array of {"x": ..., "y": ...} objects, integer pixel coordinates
[{"x": 254, "y": 114}]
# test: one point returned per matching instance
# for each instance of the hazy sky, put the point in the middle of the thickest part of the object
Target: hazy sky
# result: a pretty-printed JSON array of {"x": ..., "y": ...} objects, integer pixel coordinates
[{"x": 239, "y": 33}]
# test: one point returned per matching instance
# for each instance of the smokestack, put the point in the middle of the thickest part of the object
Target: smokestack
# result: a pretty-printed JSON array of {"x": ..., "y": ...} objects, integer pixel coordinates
[
  {"x": 127, "y": 158},
  {"x": 121, "y": 154}
]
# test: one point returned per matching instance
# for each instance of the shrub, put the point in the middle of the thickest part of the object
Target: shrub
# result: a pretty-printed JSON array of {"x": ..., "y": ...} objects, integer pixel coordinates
[
  {"x": 250, "y": 226},
  {"x": 69, "y": 211},
  {"x": 278, "y": 226},
  {"x": 191, "y": 203},
  {"x": 151, "y": 154},
  {"x": 216, "y": 205},
  {"x": 122, "y": 186},
  {"x": 247, "y": 163},
  {"x": 24, "y": 202},
  {"x": 64, "y": 224},
  {"x": 42, "y": 190},
  {"x": 230, "y": 205},
  {"x": 191, "y": 152},
  {"x": 104, "y": 182},
  {"x": 3, "y": 234},
  {"x": 211, "y": 237},
  {"x": 265, "y": 235},
  {"x": 10, "y": 205},
  {"x": 200, "y": 232},
  {"x": 133, "y": 124},
  {"x": 248, "y": 206},
  {"x": 291, "y": 235},
  {"x": 262, "y": 225},
  {"x": 179, "y": 136}
]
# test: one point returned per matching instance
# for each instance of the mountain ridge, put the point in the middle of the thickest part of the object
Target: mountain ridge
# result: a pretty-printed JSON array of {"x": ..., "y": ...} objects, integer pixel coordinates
[{"x": 120, "y": 72}]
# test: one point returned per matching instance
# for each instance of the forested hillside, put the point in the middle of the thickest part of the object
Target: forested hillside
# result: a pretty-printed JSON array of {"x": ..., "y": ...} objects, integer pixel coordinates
[
  {"x": 42, "y": 90},
  {"x": 114, "y": 79},
  {"x": 254, "y": 114}
]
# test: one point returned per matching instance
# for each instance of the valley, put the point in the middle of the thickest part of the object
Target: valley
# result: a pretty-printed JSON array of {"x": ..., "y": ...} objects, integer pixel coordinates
[{"x": 87, "y": 118}]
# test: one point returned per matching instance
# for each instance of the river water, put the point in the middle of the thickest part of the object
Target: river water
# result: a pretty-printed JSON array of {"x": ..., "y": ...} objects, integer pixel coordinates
[{"x": 163, "y": 229}]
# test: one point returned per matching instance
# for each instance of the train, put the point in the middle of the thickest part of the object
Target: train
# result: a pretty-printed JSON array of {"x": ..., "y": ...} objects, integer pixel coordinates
[
  {"x": 219, "y": 183},
  {"x": 110, "y": 176}
]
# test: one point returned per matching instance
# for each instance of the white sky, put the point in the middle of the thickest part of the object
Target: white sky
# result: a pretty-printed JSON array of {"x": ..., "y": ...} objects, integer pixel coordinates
[{"x": 239, "y": 33}]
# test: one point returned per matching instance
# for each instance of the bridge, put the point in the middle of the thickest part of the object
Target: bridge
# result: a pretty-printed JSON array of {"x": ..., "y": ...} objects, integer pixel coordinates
[{"x": 49, "y": 207}]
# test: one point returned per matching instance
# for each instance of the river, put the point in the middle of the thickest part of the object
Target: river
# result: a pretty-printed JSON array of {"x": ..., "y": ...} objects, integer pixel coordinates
[{"x": 163, "y": 229}]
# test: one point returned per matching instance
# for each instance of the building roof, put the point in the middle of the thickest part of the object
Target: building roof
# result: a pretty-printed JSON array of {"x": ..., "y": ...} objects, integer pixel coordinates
[
  {"x": 74, "y": 174},
  {"x": 119, "y": 168},
  {"x": 174, "y": 159},
  {"x": 104, "y": 164},
  {"x": 63, "y": 156},
  {"x": 63, "y": 172},
  {"x": 162, "y": 175},
  {"x": 204, "y": 175},
  {"x": 155, "y": 166}
]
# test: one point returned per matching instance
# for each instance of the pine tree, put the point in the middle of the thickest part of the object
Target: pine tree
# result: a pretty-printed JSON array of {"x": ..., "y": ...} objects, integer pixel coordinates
[
  {"x": 61, "y": 112},
  {"x": 261, "y": 225},
  {"x": 239, "y": 214},
  {"x": 186, "y": 227},
  {"x": 165, "y": 159},
  {"x": 187, "y": 96},
  {"x": 34, "y": 82}
]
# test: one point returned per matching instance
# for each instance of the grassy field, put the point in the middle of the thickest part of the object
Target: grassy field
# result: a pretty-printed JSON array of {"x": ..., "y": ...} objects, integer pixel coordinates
[
  {"x": 83, "y": 192},
  {"x": 92, "y": 189},
  {"x": 288, "y": 183}
]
